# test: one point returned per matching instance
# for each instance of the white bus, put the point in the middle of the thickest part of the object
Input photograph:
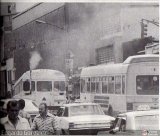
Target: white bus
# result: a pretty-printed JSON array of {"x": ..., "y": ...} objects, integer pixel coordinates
[
  {"x": 42, "y": 85},
  {"x": 122, "y": 87}
]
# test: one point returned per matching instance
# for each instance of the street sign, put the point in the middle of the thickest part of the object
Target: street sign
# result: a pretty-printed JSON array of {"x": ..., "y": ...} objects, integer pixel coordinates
[
  {"x": 70, "y": 88},
  {"x": 69, "y": 63}
]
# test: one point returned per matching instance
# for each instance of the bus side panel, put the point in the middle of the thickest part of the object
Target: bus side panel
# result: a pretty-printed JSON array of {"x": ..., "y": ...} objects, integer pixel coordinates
[{"x": 118, "y": 102}]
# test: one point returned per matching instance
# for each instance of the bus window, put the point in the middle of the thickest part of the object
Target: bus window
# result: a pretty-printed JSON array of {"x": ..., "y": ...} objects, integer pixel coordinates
[
  {"x": 59, "y": 85},
  {"x": 123, "y": 84},
  {"x": 26, "y": 85},
  {"x": 62, "y": 85},
  {"x": 33, "y": 86},
  {"x": 44, "y": 86},
  {"x": 98, "y": 87},
  {"x": 147, "y": 84},
  {"x": 93, "y": 85},
  {"x": 117, "y": 84},
  {"x": 111, "y": 84},
  {"x": 105, "y": 85},
  {"x": 88, "y": 85},
  {"x": 82, "y": 85}
]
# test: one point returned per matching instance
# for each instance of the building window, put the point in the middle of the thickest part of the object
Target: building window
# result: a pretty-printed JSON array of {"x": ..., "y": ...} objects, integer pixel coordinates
[{"x": 105, "y": 54}]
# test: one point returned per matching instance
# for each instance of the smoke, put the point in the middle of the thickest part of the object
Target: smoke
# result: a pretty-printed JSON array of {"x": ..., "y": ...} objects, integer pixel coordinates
[{"x": 35, "y": 59}]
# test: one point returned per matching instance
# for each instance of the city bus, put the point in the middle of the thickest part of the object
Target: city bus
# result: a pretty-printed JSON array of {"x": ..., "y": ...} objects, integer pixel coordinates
[
  {"x": 123, "y": 86},
  {"x": 42, "y": 85}
]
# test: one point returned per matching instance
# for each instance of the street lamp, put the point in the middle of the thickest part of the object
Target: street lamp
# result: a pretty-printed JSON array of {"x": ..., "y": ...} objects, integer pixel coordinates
[
  {"x": 65, "y": 29},
  {"x": 44, "y": 22}
]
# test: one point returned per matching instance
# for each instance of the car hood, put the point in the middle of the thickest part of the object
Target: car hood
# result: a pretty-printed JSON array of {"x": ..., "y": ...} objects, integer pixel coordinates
[{"x": 90, "y": 118}]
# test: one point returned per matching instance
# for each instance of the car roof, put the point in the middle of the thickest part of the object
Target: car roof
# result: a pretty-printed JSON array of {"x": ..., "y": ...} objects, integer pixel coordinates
[
  {"x": 10, "y": 99},
  {"x": 78, "y": 104},
  {"x": 140, "y": 113}
]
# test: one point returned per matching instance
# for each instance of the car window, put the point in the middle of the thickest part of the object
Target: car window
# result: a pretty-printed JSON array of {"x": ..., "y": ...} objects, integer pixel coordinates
[
  {"x": 85, "y": 110},
  {"x": 149, "y": 122},
  {"x": 65, "y": 112},
  {"x": 34, "y": 104},
  {"x": 60, "y": 112}
]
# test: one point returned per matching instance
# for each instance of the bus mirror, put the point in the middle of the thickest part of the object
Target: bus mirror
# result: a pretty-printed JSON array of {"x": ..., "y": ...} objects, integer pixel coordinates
[{"x": 26, "y": 86}]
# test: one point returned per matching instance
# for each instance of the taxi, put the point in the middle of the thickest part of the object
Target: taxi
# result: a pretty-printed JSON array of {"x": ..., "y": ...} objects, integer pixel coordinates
[
  {"x": 140, "y": 122},
  {"x": 83, "y": 118}
]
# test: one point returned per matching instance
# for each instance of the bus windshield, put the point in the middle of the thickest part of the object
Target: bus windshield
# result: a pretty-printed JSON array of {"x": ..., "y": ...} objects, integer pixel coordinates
[
  {"x": 59, "y": 85},
  {"x": 147, "y": 84},
  {"x": 44, "y": 86}
]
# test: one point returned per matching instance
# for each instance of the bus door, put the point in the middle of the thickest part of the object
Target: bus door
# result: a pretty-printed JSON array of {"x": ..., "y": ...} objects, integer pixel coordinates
[
  {"x": 59, "y": 92},
  {"x": 44, "y": 92},
  {"x": 86, "y": 95}
]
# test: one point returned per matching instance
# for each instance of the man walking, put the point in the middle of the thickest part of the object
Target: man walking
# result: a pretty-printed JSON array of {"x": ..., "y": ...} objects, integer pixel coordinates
[{"x": 45, "y": 121}]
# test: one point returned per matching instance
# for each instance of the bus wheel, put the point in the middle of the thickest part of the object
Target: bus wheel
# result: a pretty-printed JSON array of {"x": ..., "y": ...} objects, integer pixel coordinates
[{"x": 110, "y": 110}]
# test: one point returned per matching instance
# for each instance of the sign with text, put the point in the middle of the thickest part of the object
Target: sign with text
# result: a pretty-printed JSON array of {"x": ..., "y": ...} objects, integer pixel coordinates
[{"x": 69, "y": 63}]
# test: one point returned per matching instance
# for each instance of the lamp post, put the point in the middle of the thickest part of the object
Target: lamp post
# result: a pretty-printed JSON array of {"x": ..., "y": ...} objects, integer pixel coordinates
[{"x": 68, "y": 60}]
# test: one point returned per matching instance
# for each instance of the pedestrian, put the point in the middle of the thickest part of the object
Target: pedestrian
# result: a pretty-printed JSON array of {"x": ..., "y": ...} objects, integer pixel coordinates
[
  {"x": 2, "y": 115},
  {"x": 23, "y": 113},
  {"x": 45, "y": 121},
  {"x": 13, "y": 121}
]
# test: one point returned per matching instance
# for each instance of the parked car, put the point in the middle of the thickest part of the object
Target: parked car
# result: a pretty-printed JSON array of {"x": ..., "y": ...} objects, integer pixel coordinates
[
  {"x": 83, "y": 118},
  {"x": 30, "y": 107},
  {"x": 137, "y": 123}
]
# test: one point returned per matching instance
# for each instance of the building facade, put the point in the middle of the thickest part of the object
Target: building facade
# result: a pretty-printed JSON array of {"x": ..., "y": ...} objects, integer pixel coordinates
[{"x": 68, "y": 36}]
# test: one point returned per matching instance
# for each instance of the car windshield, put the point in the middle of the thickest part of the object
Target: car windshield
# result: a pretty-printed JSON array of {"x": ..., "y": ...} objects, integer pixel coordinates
[
  {"x": 44, "y": 86},
  {"x": 85, "y": 110}
]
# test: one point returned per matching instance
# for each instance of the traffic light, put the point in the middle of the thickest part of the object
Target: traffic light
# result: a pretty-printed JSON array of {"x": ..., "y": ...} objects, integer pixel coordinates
[{"x": 143, "y": 29}]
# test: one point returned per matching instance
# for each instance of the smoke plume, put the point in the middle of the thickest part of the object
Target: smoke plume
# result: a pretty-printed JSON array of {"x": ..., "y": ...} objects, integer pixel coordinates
[{"x": 35, "y": 59}]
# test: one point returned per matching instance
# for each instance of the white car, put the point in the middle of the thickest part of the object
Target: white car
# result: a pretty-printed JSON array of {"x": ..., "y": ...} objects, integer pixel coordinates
[
  {"x": 30, "y": 107},
  {"x": 137, "y": 123},
  {"x": 83, "y": 118}
]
